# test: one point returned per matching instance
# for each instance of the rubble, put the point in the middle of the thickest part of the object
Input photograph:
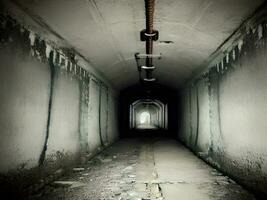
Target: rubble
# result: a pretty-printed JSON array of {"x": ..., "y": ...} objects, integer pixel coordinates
[{"x": 80, "y": 169}]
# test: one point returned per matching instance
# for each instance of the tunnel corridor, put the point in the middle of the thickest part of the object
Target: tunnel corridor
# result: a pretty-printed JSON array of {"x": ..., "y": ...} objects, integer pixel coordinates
[{"x": 133, "y": 100}]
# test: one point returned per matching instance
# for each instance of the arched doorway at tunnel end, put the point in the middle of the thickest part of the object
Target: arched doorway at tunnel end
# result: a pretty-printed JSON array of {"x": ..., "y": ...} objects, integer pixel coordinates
[
  {"x": 152, "y": 111},
  {"x": 148, "y": 114}
]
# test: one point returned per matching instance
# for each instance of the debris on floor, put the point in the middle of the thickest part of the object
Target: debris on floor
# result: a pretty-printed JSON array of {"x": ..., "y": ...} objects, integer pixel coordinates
[
  {"x": 78, "y": 169},
  {"x": 144, "y": 170}
]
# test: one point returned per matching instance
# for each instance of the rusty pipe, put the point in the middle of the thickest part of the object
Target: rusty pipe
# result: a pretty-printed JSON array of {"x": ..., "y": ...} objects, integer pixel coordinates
[{"x": 150, "y": 8}]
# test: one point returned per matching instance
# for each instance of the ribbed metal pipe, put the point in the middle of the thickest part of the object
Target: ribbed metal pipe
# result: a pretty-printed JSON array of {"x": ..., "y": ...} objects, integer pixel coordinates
[{"x": 150, "y": 7}]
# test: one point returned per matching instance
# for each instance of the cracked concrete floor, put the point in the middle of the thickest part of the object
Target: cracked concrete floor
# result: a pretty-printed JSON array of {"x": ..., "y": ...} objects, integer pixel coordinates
[{"x": 145, "y": 169}]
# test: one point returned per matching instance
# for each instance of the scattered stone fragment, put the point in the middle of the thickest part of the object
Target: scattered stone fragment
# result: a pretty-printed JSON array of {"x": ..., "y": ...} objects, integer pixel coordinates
[
  {"x": 223, "y": 182},
  {"x": 117, "y": 193},
  {"x": 63, "y": 183},
  {"x": 78, "y": 169},
  {"x": 71, "y": 184},
  {"x": 231, "y": 181}
]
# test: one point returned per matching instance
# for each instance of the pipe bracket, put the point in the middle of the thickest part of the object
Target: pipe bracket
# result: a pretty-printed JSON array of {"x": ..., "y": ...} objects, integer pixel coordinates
[
  {"x": 144, "y": 35},
  {"x": 148, "y": 68}
]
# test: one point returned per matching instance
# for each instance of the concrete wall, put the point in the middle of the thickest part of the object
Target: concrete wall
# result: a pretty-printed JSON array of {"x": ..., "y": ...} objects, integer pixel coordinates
[
  {"x": 94, "y": 137},
  {"x": 224, "y": 110},
  {"x": 50, "y": 105},
  {"x": 104, "y": 114},
  {"x": 24, "y": 97},
  {"x": 64, "y": 135},
  {"x": 112, "y": 131}
]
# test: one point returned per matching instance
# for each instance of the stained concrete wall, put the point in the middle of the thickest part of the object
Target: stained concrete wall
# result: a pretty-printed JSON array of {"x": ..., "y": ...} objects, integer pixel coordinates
[
  {"x": 24, "y": 97},
  {"x": 104, "y": 114},
  {"x": 50, "y": 105},
  {"x": 64, "y": 135},
  {"x": 112, "y": 131},
  {"x": 224, "y": 109},
  {"x": 94, "y": 137}
]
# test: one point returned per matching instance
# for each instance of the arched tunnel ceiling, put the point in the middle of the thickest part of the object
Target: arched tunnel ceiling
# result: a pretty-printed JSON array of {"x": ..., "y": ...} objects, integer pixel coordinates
[{"x": 106, "y": 32}]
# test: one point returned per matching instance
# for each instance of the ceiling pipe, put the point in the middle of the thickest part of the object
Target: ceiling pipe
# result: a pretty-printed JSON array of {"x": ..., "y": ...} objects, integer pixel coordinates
[
  {"x": 150, "y": 8},
  {"x": 148, "y": 35}
]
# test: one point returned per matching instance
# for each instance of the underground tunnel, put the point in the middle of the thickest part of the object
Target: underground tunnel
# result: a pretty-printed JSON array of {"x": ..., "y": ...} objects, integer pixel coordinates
[{"x": 133, "y": 100}]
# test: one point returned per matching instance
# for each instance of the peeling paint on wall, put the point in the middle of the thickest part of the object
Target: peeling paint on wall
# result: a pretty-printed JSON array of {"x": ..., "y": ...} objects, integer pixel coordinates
[
  {"x": 84, "y": 115},
  {"x": 236, "y": 100},
  {"x": 63, "y": 112}
]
